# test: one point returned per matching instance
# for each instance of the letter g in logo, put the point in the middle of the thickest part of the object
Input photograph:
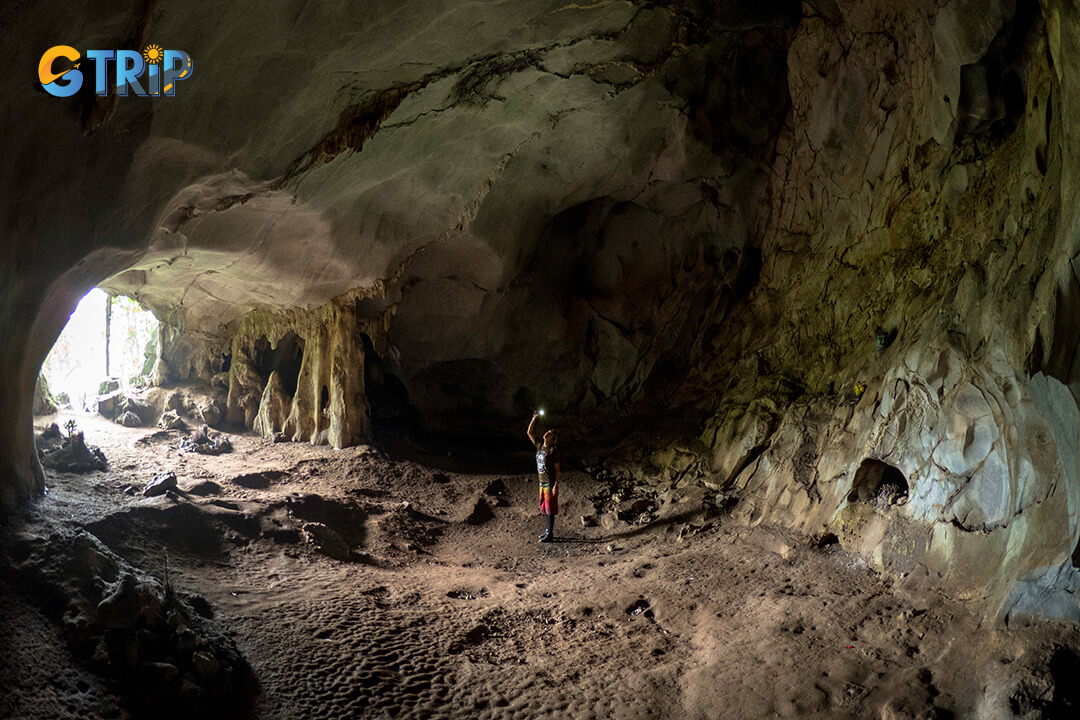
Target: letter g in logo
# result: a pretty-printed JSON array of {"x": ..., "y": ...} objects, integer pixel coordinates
[{"x": 73, "y": 78}]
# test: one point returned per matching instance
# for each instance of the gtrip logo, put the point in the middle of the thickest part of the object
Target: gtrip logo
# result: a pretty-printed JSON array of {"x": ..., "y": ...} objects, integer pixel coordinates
[{"x": 160, "y": 69}]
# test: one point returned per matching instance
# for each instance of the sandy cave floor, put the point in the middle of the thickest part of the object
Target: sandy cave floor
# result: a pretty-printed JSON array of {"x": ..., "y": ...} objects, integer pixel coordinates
[{"x": 450, "y": 608}]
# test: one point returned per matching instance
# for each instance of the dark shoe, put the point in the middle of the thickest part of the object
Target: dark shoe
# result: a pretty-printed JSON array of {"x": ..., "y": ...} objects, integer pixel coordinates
[{"x": 546, "y": 538}]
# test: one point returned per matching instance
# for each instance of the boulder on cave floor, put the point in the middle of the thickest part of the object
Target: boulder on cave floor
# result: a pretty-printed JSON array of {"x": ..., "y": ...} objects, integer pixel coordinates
[
  {"x": 48, "y": 439},
  {"x": 171, "y": 420},
  {"x": 129, "y": 419},
  {"x": 327, "y": 541},
  {"x": 161, "y": 484}
]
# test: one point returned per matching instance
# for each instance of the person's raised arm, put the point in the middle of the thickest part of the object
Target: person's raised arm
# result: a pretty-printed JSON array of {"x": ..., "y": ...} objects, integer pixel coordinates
[{"x": 532, "y": 423}]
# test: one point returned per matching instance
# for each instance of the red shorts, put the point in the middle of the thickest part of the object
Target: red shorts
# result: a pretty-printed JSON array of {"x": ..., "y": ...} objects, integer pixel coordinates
[{"x": 549, "y": 501}]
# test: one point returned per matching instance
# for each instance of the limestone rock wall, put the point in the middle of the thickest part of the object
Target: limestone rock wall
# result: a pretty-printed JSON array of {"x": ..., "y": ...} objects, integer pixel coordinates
[
  {"x": 987, "y": 464},
  {"x": 921, "y": 242}
]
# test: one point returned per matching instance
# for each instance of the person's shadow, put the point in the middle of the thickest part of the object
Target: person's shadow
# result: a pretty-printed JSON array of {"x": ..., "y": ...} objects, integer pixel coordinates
[{"x": 633, "y": 532}]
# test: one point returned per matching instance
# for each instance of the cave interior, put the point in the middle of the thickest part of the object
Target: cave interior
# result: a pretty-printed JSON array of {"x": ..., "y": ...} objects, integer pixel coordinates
[{"x": 797, "y": 284}]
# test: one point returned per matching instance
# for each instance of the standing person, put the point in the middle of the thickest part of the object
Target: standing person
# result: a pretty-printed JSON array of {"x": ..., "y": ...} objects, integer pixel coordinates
[{"x": 547, "y": 466}]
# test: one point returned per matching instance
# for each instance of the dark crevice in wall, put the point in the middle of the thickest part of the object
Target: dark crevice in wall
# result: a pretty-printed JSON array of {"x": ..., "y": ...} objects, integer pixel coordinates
[
  {"x": 1034, "y": 363},
  {"x": 993, "y": 94},
  {"x": 1058, "y": 354},
  {"x": 286, "y": 359},
  {"x": 878, "y": 483},
  {"x": 749, "y": 272},
  {"x": 386, "y": 393}
]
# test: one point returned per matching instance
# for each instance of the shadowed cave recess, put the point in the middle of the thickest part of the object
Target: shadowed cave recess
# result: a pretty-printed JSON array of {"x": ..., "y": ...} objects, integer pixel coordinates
[{"x": 804, "y": 276}]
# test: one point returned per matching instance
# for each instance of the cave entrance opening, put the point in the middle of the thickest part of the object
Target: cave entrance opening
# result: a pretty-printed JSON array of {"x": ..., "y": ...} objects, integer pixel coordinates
[
  {"x": 878, "y": 483},
  {"x": 109, "y": 343}
]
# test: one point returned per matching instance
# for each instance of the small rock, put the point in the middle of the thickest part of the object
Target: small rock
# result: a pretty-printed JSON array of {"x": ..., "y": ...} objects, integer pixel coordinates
[
  {"x": 77, "y": 626},
  {"x": 171, "y": 420},
  {"x": 92, "y": 560},
  {"x": 120, "y": 609},
  {"x": 52, "y": 432},
  {"x": 186, "y": 639},
  {"x": 106, "y": 402},
  {"x": 689, "y": 530},
  {"x": 206, "y": 665},
  {"x": 589, "y": 521},
  {"x": 636, "y": 511},
  {"x": 161, "y": 483},
  {"x": 327, "y": 541},
  {"x": 129, "y": 419},
  {"x": 201, "y": 442},
  {"x": 101, "y": 658},
  {"x": 127, "y": 603},
  {"x": 189, "y": 693},
  {"x": 175, "y": 401},
  {"x": 158, "y": 674}
]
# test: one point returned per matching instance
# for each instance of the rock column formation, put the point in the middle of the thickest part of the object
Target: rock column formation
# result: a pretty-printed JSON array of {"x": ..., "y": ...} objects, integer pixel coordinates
[{"x": 306, "y": 386}]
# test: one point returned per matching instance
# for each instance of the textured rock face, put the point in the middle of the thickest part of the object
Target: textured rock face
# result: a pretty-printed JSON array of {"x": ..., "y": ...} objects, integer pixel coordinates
[
  {"x": 920, "y": 241},
  {"x": 714, "y": 216}
]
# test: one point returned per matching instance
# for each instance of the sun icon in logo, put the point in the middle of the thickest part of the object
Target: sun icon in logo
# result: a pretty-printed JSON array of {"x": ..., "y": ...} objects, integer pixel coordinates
[{"x": 153, "y": 53}]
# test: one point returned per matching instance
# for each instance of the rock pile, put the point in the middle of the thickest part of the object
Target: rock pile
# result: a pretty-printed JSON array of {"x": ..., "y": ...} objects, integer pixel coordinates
[
  {"x": 206, "y": 443},
  {"x": 72, "y": 455},
  {"x": 158, "y": 646}
]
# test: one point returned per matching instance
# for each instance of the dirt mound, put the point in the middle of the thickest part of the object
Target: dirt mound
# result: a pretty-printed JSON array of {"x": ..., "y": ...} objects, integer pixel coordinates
[
  {"x": 145, "y": 533},
  {"x": 258, "y": 480}
]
